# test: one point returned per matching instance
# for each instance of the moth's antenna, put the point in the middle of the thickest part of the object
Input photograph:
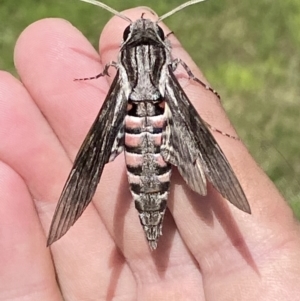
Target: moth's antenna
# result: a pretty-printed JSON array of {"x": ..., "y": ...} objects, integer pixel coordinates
[
  {"x": 175, "y": 10},
  {"x": 104, "y": 6}
]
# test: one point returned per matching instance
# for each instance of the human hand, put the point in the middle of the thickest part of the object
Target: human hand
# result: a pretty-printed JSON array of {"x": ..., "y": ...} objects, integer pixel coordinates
[{"x": 209, "y": 250}]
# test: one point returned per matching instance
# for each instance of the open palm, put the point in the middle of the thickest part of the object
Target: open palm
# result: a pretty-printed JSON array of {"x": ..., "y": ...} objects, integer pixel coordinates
[{"x": 209, "y": 250}]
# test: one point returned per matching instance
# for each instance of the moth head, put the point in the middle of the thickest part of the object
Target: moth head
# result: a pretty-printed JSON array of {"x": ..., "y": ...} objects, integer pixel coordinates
[{"x": 143, "y": 32}]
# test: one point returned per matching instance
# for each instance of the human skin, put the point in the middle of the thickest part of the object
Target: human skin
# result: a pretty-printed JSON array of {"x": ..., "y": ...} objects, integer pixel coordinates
[{"x": 209, "y": 250}]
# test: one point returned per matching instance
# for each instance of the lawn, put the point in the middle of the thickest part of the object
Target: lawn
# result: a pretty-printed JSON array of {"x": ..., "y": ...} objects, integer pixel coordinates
[{"x": 249, "y": 53}]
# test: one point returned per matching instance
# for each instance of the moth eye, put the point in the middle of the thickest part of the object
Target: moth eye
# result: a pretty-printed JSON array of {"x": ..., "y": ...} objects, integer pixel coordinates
[
  {"x": 126, "y": 33},
  {"x": 160, "y": 33}
]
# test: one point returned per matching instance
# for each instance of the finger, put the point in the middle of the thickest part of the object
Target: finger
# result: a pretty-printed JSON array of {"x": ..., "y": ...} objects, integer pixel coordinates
[
  {"x": 26, "y": 266},
  {"x": 45, "y": 169},
  {"x": 233, "y": 240},
  {"x": 64, "y": 55}
]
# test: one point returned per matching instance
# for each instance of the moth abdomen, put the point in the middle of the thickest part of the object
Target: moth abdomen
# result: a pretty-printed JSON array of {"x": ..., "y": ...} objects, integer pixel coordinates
[{"x": 148, "y": 173}]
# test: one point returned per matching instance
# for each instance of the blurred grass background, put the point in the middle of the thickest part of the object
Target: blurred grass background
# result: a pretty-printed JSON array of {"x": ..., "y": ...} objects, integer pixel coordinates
[{"x": 248, "y": 52}]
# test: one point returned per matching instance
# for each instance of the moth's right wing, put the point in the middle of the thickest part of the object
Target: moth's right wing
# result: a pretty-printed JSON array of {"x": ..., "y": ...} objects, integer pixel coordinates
[
  {"x": 189, "y": 145},
  {"x": 89, "y": 163}
]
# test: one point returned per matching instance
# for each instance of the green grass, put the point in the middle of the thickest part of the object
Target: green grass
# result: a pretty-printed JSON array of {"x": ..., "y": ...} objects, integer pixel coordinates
[{"x": 250, "y": 52}]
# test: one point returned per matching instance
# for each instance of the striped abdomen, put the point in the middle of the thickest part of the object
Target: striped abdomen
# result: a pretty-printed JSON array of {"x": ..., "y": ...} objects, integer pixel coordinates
[{"x": 148, "y": 174}]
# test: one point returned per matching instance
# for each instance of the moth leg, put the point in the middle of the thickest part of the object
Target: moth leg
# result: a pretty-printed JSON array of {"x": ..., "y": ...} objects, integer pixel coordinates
[
  {"x": 221, "y": 132},
  {"x": 175, "y": 64},
  {"x": 170, "y": 33},
  {"x": 104, "y": 73}
]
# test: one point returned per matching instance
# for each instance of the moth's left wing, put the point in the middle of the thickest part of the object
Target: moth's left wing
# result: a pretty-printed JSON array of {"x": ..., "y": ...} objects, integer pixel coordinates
[
  {"x": 94, "y": 153},
  {"x": 187, "y": 133}
]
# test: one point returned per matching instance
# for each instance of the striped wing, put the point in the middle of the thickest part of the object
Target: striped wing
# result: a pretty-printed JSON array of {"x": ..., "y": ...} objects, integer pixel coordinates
[
  {"x": 192, "y": 148},
  {"x": 94, "y": 153}
]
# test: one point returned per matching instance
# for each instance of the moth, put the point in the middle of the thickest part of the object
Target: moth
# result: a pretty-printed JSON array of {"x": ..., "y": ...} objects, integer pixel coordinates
[{"x": 147, "y": 114}]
